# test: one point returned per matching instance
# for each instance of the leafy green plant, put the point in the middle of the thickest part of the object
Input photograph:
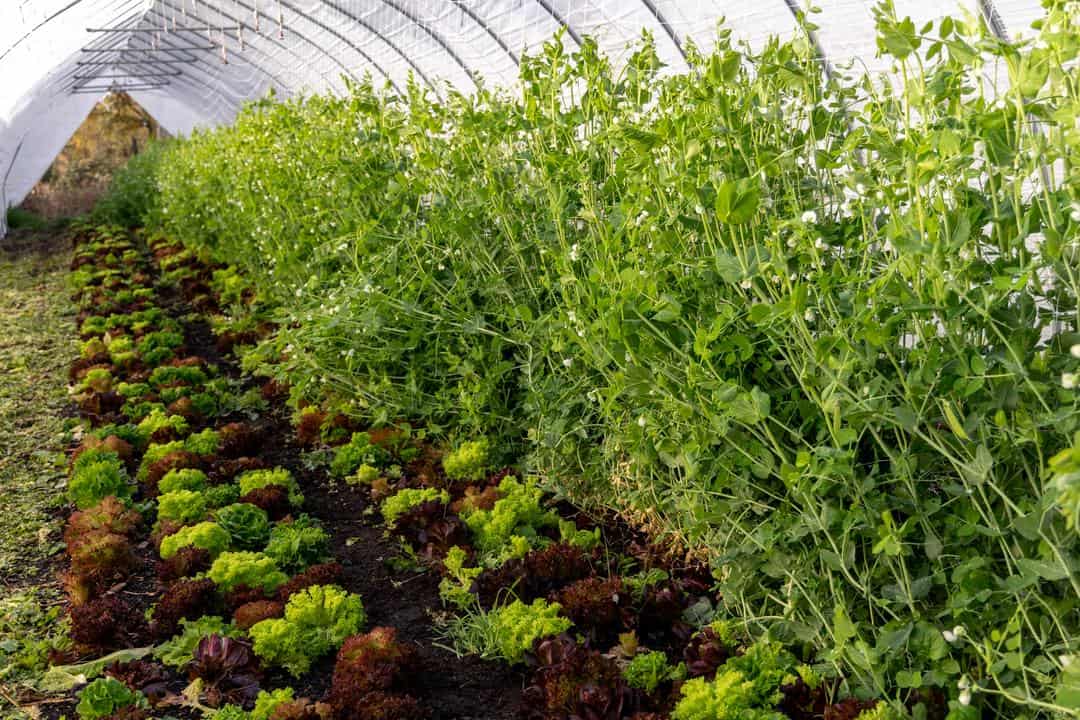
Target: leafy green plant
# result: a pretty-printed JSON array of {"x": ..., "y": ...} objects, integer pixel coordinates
[
  {"x": 295, "y": 545},
  {"x": 105, "y": 696},
  {"x": 455, "y": 584},
  {"x": 205, "y": 442},
  {"x": 248, "y": 526},
  {"x": 182, "y": 479},
  {"x": 170, "y": 375},
  {"x": 358, "y": 451},
  {"x": 206, "y": 535},
  {"x": 182, "y": 506},
  {"x": 180, "y": 649},
  {"x": 406, "y": 499},
  {"x": 157, "y": 419},
  {"x": 505, "y": 632},
  {"x": 158, "y": 346},
  {"x": 255, "y": 479},
  {"x": 518, "y": 513},
  {"x": 253, "y": 569},
  {"x": 95, "y": 475},
  {"x": 468, "y": 461},
  {"x": 317, "y": 620},
  {"x": 364, "y": 475},
  {"x": 221, "y": 495},
  {"x": 647, "y": 670},
  {"x": 230, "y": 712},
  {"x": 745, "y": 686},
  {"x": 267, "y": 702}
]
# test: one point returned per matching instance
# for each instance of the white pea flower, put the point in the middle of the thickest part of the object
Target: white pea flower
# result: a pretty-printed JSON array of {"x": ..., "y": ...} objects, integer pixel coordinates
[
  {"x": 1075, "y": 351},
  {"x": 567, "y": 362},
  {"x": 949, "y": 635},
  {"x": 809, "y": 316},
  {"x": 641, "y": 421},
  {"x": 1070, "y": 381},
  {"x": 965, "y": 697},
  {"x": 809, "y": 217},
  {"x": 819, "y": 244},
  {"x": 1075, "y": 214},
  {"x": 959, "y": 631},
  {"x": 746, "y": 284},
  {"x": 574, "y": 252}
]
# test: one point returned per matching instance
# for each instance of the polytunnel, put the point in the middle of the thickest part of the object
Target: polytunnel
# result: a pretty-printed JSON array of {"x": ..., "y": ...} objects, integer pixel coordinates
[
  {"x": 540, "y": 359},
  {"x": 194, "y": 62}
]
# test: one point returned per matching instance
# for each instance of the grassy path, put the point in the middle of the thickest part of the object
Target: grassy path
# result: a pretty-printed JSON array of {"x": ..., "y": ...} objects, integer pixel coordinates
[{"x": 35, "y": 349}]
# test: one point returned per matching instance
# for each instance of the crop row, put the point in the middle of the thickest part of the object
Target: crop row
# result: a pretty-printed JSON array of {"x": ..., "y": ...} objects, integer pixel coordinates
[{"x": 606, "y": 625}]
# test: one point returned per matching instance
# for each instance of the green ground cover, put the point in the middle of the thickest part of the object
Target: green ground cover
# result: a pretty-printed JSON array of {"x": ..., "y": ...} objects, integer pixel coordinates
[{"x": 35, "y": 349}]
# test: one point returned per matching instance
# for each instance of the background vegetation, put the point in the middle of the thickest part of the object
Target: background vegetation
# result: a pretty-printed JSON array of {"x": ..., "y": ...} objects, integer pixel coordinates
[{"x": 824, "y": 327}]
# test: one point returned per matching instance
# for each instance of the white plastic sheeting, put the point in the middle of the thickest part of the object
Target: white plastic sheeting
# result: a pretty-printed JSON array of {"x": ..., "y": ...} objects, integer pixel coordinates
[{"x": 53, "y": 64}]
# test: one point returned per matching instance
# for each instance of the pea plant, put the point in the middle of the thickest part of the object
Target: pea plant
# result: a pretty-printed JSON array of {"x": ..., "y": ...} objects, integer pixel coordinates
[{"x": 820, "y": 327}]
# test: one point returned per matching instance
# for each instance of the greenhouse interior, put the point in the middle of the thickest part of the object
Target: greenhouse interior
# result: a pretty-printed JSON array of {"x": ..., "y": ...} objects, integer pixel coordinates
[{"x": 540, "y": 359}]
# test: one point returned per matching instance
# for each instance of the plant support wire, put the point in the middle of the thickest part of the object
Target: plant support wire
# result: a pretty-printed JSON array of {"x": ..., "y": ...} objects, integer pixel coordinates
[
  {"x": 87, "y": 89},
  {"x": 150, "y": 49},
  {"x": 157, "y": 30}
]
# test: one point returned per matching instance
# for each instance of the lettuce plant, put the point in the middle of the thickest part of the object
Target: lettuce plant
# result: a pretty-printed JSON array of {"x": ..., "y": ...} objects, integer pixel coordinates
[
  {"x": 247, "y": 525},
  {"x": 746, "y": 686},
  {"x": 358, "y": 451},
  {"x": 364, "y": 475},
  {"x": 404, "y": 500},
  {"x": 182, "y": 506},
  {"x": 95, "y": 475},
  {"x": 168, "y": 375},
  {"x": 647, "y": 670},
  {"x": 517, "y": 513},
  {"x": 252, "y": 569},
  {"x": 221, "y": 495},
  {"x": 255, "y": 479},
  {"x": 158, "y": 419},
  {"x": 294, "y": 546},
  {"x": 229, "y": 712},
  {"x": 179, "y": 650},
  {"x": 267, "y": 702},
  {"x": 317, "y": 620},
  {"x": 455, "y": 585},
  {"x": 109, "y": 516},
  {"x": 182, "y": 479},
  {"x": 506, "y": 632},
  {"x": 105, "y": 696},
  {"x": 228, "y": 669},
  {"x": 469, "y": 461},
  {"x": 205, "y": 442},
  {"x": 206, "y": 535}
]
